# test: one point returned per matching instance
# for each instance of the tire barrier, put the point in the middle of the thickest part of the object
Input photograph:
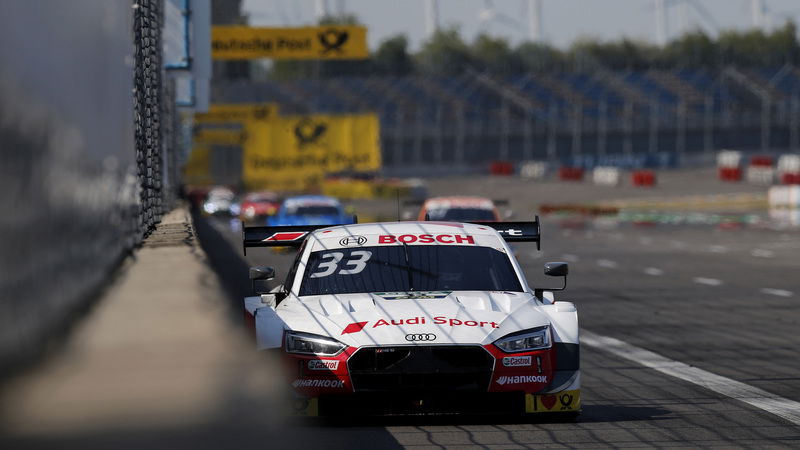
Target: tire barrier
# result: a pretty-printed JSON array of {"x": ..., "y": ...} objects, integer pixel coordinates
[
  {"x": 570, "y": 174},
  {"x": 788, "y": 168},
  {"x": 643, "y": 178},
  {"x": 533, "y": 170},
  {"x": 784, "y": 197},
  {"x": 760, "y": 175},
  {"x": 761, "y": 161},
  {"x": 729, "y": 165},
  {"x": 501, "y": 168},
  {"x": 730, "y": 174},
  {"x": 606, "y": 176}
]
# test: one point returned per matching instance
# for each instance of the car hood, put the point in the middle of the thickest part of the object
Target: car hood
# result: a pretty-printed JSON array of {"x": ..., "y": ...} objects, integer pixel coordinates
[{"x": 461, "y": 317}]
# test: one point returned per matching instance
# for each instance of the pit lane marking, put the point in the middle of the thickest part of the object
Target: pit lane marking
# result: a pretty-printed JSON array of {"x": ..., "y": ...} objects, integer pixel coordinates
[
  {"x": 766, "y": 401},
  {"x": 606, "y": 263},
  {"x": 778, "y": 292},
  {"x": 654, "y": 271},
  {"x": 708, "y": 281}
]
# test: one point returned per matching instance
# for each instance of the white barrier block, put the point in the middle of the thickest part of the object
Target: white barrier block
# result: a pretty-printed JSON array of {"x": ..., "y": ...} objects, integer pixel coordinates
[
  {"x": 789, "y": 163},
  {"x": 534, "y": 170},
  {"x": 729, "y": 158},
  {"x": 784, "y": 196},
  {"x": 606, "y": 176},
  {"x": 760, "y": 175}
]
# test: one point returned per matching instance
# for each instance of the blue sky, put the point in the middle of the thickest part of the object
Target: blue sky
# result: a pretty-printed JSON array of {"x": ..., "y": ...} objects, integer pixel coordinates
[{"x": 564, "y": 21}]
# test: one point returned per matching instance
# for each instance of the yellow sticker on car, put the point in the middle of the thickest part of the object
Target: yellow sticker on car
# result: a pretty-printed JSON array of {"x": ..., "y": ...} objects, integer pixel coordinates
[{"x": 558, "y": 402}]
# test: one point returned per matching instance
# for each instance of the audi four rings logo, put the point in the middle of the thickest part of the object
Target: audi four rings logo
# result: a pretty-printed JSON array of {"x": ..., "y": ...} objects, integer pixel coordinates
[
  {"x": 421, "y": 337},
  {"x": 352, "y": 240}
]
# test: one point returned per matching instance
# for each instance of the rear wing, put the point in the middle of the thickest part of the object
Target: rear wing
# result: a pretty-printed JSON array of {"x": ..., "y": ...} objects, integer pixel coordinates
[
  {"x": 277, "y": 236},
  {"x": 517, "y": 231}
]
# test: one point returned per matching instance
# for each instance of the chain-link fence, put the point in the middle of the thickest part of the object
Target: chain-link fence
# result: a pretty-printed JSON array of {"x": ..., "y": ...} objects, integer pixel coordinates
[{"x": 86, "y": 138}]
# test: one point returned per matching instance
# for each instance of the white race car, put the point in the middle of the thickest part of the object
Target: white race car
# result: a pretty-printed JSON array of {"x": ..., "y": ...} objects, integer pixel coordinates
[{"x": 416, "y": 317}]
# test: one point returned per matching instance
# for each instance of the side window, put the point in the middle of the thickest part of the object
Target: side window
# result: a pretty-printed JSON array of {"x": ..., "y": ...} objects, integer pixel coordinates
[{"x": 287, "y": 285}]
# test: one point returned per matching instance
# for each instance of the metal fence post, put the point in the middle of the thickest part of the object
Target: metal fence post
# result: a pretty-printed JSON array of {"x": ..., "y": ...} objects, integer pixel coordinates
[
  {"x": 418, "y": 130},
  {"x": 766, "y": 123},
  {"x": 652, "y": 140},
  {"x": 708, "y": 125},
  {"x": 460, "y": 129},
  {"x": 627, "y": 125},
  {"x": 527, "y": 136},
  {"x": 680, "y": 116},
  {"x": 794, "y": 123},
  {"x": 552, "y": 111},
  {"x": 577, "y": 130},
  {"x": 437, "y": 144},
  {"x": 505, "y": 131},
  {"x": 602, "y": 127}
]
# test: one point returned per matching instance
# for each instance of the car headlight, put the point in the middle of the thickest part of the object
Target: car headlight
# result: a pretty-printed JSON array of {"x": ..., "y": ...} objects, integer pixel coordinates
[
  {"x": 312, "y": 344},
  {"x": 525, "y": 341}
]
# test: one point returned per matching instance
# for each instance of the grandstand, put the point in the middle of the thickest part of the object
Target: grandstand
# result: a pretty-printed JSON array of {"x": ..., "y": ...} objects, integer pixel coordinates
[{"x": 477, "y": 117}]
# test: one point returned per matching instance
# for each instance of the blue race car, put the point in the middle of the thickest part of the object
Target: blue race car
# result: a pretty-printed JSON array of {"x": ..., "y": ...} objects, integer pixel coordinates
[{"x": 310, "y": 210}]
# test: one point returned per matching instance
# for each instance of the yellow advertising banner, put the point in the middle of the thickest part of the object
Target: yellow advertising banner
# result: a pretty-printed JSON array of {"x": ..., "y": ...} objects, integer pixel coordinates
[
  {"x": 219, "y": 136},
  {"x": 197, "y": 170},
  {"x": 322, "y": 42},
  {"x": 237, "y": 112},
  {"x": 296, "y": 152}
]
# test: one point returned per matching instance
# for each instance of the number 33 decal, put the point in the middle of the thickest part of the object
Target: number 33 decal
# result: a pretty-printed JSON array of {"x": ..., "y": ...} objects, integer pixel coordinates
[{"x": 353, "y": 265}]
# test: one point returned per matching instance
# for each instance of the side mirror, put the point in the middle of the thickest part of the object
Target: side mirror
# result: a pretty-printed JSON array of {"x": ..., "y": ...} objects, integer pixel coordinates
[
  {"x": 258, "y": 278},
  {"x": 262, "y": 273},
  {"x": 554, "y": 269}
]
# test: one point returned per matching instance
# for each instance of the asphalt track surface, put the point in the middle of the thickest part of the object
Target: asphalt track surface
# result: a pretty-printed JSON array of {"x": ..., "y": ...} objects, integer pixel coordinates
[
  {"x": 665, "y": 311},
  {"x": 715, "y": 301}
]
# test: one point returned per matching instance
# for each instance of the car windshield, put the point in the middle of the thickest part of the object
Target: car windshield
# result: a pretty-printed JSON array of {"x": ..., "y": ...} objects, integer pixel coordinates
[
  {"x": 314, "y": 210},
  {"x": 408, "y": 268},
  {"x": 461, "y": 214}
]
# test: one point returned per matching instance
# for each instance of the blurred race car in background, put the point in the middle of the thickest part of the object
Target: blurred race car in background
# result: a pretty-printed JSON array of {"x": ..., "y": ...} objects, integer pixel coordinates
[
  {"x": 415, "y": 318},
  {"x": 462, "y": 209},
  {"x": 257, "y": 206},
  {"x": 310, "y": 210},
  {"x": 221, "y": 201}
]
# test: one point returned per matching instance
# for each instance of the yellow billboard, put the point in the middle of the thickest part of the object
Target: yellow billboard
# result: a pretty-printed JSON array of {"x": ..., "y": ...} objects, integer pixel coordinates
[
  {"x": 322, "y": 42},
  {"x": 237, "y": 112},
  {"x": 296, "y": 152},
  {"x": 219, "y": 136},
  {"x": 197, "y": 170}
]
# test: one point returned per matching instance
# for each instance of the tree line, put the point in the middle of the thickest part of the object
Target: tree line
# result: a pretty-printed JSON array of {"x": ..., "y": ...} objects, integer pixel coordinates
[{"x": 446, "y": 53}]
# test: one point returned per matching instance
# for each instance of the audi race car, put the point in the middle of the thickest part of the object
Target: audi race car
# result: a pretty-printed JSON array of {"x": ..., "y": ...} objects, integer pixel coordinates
[
  {"x": 461, "y": 209},
  {"x": 415, "y": 318},
  {"x": 310, "y": 210}
]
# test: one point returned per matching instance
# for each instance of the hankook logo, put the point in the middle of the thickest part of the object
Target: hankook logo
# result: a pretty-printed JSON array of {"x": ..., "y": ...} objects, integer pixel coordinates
[
  {"x": 352, "y": 240},
  {"x": 420, "y": 337}
]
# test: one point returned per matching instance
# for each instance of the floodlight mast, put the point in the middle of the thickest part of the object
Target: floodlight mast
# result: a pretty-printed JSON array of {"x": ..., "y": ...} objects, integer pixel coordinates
[
  {"x": 661, "y": 23},
  {"x": 431, "y": 17},
  {"x": 535, "y": 19}
]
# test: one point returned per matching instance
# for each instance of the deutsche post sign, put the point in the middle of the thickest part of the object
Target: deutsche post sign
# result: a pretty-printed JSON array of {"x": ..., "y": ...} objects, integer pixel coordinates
[
  {"x": 322, "y": 42},
  {"x": 237, "y": 112}
]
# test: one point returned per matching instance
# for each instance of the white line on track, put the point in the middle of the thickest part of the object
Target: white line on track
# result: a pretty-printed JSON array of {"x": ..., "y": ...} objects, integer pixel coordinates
[
  {"x": 778, "y": 292},
  {"x": 781, "y": 407},
  {"x": 606, "y": 263},
  {"x": 707, "y": 281},
  {"x": 718, "y": 249},
  {"x": 761, "y": 253},
  {"x": 568, "y": 257},
  {"x": 654, "y": 271}
]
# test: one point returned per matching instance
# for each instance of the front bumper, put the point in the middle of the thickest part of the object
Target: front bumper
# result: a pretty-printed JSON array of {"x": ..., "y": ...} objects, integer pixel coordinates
[{"x": 433, "y": 379}]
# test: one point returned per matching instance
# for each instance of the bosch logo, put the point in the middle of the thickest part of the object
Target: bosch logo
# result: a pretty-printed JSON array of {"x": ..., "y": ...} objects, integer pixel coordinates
[
  {"x": 420, "y": 337},
  {"x": 352, "y": 240}
]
